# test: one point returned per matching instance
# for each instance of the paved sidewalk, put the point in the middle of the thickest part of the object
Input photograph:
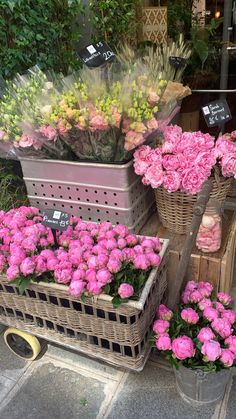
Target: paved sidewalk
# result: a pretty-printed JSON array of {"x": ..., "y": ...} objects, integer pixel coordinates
[{"x": 65, "y": 385}]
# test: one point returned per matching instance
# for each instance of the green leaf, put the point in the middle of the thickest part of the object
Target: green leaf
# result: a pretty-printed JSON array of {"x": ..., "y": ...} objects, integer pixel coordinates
[
  {"x": 107, "y": 289},
  {"x": 117, "y": 301},
  {"x": 23, "y": 284},
  {"x": 202, "y": 50}
]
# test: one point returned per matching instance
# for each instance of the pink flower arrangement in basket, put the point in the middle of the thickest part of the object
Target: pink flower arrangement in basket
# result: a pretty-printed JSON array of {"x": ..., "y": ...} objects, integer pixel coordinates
[
  {"x": 91, "y": 258},
  {"x": 202, "y": 333},
  {"x": 185, "y": 160}
]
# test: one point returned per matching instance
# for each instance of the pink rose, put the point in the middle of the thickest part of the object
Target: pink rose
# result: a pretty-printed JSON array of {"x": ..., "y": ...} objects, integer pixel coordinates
[
  {"x": 222, "y": 327},
  {"x": 152, "y": 124},
  {"x": 76, "y": 288},
  {"x": 171, "y": 181},
  {"x": 183, "y": 348},
  {"x": 210, "y": 313},
  {"x": 224, "y": 298},
  {"x": 154, "y": 176},
  {"x": 48, "y": 132},
  {"x": 163, "y": 342},
  {"x": 125, "y": 290},
  {"x": 161, "y": 326},
  {"x": 164, "y": 313},
  {"x": 153, "y": 98},
  {"x": 189, "y": 315},
  {"x": 211, "y": 350},
  {"x": 227, "y": 358},
  {"x": 26, "y": 141},
  {"x": 205, "y": 334}
]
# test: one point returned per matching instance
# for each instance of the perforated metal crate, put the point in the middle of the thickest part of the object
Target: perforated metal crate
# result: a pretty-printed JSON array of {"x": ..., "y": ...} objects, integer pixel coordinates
[{"x": 95, "y": 192}]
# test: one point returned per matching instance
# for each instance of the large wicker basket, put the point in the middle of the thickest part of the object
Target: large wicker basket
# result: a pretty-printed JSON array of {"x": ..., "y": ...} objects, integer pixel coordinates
[
  {"x": 94, "y": 327},
  {"x": 176, "y": 209}
]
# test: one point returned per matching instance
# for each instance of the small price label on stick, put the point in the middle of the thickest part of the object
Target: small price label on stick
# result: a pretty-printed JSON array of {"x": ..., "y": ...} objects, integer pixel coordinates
[
  {"x": 177, "y": 62},
  {"x": 55, "y": 219},
  {"x": 96, "y": 55},
  {"x": 216, "y": 113}
]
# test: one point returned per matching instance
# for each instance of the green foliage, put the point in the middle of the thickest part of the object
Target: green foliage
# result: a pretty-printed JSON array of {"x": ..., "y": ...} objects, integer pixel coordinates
[
  {"x": 179, "y": 17},
  {"x": 42, "y": 32},
  {"x": 115, "y": 20},
  {"x": 12, "y": 191}
]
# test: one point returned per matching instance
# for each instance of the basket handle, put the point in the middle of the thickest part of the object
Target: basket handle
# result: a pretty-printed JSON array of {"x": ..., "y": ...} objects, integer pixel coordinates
[{"x": 198, "y": 211}]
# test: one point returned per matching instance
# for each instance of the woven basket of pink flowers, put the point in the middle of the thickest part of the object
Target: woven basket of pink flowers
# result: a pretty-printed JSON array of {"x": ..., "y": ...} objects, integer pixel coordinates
[
  {"x": 177, "y": 169},
  {"x": 96, "y": 292}
]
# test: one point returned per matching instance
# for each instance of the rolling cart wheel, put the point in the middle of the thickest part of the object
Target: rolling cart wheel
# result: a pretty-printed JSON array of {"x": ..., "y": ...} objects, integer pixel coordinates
[{"x": 22, "y": 344}]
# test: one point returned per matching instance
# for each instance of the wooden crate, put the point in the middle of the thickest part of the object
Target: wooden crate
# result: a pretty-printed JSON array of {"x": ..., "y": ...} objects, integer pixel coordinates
[{"x": 217, "y": 268}]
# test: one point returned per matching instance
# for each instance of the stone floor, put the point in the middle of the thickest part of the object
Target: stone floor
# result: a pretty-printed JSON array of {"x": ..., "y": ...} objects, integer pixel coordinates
[{"x": 65, "y": 385}]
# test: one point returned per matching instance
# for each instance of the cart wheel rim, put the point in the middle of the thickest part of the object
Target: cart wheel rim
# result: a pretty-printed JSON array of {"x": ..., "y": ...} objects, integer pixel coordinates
[{"x": 22, "y": 344}]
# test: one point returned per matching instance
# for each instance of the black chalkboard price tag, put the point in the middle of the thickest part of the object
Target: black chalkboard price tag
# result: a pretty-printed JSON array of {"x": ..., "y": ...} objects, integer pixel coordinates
[
  {"x": 96, "y": 55},
  {"x": 177, "y": 62},
  {"x": 55, "y": 219},
  {"x": 216, "y": 113}
]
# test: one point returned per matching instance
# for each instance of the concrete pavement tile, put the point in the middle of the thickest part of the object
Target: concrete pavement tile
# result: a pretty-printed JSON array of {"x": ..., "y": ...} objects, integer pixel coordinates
[
  {"x": 231, "y": 407},
  {"x": 84, "y": 361},
  {"x": 56, "y": 393},
  {"x": 152, "y": 394},
  {"x": 10, "y": 365},
  {"x": 5, "y": 386}
]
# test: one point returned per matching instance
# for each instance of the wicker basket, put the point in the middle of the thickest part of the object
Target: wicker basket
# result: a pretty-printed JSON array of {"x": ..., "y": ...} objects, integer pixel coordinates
[
  {"x": 232, "y": 191},
  {"x": 118, "y": 336},
  {"x": 176, "y": 209}
]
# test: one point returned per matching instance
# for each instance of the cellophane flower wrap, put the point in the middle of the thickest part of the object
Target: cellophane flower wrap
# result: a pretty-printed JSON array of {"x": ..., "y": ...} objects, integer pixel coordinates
[
  {"x": 90, "y": 259},
  {"x": 185, "y": 160},
  {"x": 201, "y": 334},
  {"x": 24, "y": 130}
]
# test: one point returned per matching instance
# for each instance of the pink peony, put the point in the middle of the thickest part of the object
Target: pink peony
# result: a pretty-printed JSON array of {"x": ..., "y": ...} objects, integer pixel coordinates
[
  {"x": 222, "y": 327},
  {"x": 211, "y": 350},
  {"x": 78, "y": 274},
  {"x": 164, "y": 313},
  {"x": 227, "y": 358},
  {"x": 154, "y": 259},
  {"x": 104, "y": 276},
  {"x": 52, "y": 263},
  {"x": 229, "y": 315},
  {"x": 171, "y": 181},
  {"x": 210, "y": 313},
  {"x": 205, "y": 302},
  {"x": 154, "y": 176},
  {"x": 94, "y": 287},
  {"x": 205, "y": 288},
  {"x": 231, "y": 343},
  {"x": 195, "y": 296},
  {"x": 191, "y": 286},
  {"x": 131, "y": 239},
  {"x": 224, "y": 298},
  {"x": 125, "y": 290},
  {"x": 161, "y": 326},
  {"x": 76, "y": 288},
  {"x": 114, "y": 265},
  {"x": 183, "y": 348},
  {"x": 193, "y": 180},
  {"x": 163, "y": 342},
  {"x": 2, "y": 262},
  {"x": 189, "y": 315},
  {"x": 27, "y": 267},
  {"x": 170, "y": 162},
  {"x": 12, "y": 272},
  {"x": 185, "y": 297},
  {"x": 205, "y": 334},
  {"x": 90, "y": 275},
  {"x": 141, "y": 262},
  {"x": 228, "y": 164},
  {"x": 26, "y": 141}
]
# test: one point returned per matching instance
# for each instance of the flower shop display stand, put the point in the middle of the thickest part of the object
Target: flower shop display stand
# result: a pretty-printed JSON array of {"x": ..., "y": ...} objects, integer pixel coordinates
[
  {"x": 119, "y": 336},
  {"x": 217, "y": 268},
  {"x": 93, "y": 191}
]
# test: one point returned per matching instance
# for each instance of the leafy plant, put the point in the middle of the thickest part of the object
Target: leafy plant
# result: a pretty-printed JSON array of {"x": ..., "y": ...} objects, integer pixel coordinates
[
  {"x": 42, "y": 32},
  {"x": 12, "y": 191},
  {"x": 115, "y": 20}
]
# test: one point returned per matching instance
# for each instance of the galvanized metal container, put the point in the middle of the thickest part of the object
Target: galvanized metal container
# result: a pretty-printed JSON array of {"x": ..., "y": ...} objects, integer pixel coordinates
[
  {"x": 95, "y": 192},
  {"x": 199, "y": 387}
]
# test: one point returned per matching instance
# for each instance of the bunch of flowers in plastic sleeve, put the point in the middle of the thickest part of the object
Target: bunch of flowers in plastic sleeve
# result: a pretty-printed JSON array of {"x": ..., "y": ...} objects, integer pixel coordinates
[
  {"x": 24, "y": 131},
  {"x": 201, "y": 334},
  {"x": 91, "y": 258},
  {"x": 185, "y": 160}
]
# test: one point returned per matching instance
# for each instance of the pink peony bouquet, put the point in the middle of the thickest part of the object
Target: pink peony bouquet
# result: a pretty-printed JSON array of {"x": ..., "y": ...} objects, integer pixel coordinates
[
  {"x": 202, "y": 333},
  {"x": 91, "y": 258},
  {"x": 185, "y": 160}
]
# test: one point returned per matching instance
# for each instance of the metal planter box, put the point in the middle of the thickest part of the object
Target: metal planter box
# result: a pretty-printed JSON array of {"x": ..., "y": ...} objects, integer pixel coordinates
[
  {"x": 94, "y": 192},
  {"x": 94, "y": 327}
]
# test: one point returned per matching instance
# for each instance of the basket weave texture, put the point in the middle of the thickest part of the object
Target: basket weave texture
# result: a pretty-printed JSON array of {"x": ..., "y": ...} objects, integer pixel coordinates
[
  {"x": 118, "y": 336},
  {"x": 176, "y": 209},
  {"x": 232, "y": 191}
]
